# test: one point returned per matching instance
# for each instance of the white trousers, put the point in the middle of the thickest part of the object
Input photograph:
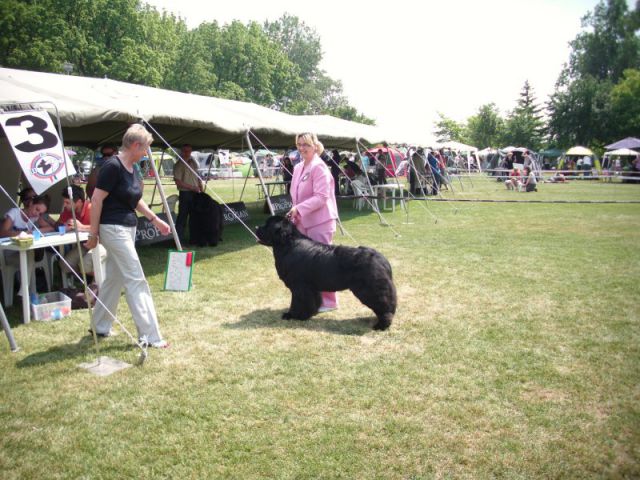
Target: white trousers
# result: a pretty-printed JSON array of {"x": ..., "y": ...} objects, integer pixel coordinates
[{"x": 123, "y": 269}]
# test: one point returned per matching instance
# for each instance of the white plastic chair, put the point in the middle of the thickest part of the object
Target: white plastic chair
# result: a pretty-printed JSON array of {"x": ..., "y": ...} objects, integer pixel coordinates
[
  {"x": 171, "y": 202},
  {"x": 8, "y": 279},
  {"x": 361, "y": 191},
  {"x": 46, "y": 264},
  {"x": 9, "y": 270}
]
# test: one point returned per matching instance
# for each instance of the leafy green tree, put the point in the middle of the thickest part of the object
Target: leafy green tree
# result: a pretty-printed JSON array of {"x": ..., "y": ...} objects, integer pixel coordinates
[
  {"x": 580, "y": 109},
  {"x": 31, "y": 36},
  {"x": 116, "y": 38},
  {"x": 625, "y": 105},
  {"x": 609, "y": 45},
  {"x": 347, "y": 112},
  {"x": 299, "y": 42},
  {"x": 316, "y": 92},
  {"x": 192, "y": 70},
  {"x": 581, "y": 113},
  {"x": 447, "y": 129},
  {"x": 524, "y": 125},
  {"x": 486, "y": 128},
  {"x": 274, "y": 65},
  {"x": 249, "y": 66}
]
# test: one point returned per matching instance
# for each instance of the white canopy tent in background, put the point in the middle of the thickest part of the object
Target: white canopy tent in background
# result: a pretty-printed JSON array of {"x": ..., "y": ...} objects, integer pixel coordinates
[
  {"x": 622, "y": 152},
  {"x": 458, "y": 147},
  {"x": 607, "y": 159}
]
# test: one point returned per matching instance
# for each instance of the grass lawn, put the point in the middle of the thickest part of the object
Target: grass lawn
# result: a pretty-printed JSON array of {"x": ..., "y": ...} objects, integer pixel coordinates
[{"x": 515, "y": 353}]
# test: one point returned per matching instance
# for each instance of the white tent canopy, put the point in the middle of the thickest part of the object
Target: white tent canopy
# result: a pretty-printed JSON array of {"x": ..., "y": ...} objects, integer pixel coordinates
[
  {"x": 457, "y": 146},
  {"x": 94, "y": 111},
  {"x": 622, "y": 152}
]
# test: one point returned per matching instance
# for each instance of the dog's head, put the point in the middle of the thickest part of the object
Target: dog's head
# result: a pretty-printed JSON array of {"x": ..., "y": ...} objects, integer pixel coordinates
[{"x": 276, "y": 231}]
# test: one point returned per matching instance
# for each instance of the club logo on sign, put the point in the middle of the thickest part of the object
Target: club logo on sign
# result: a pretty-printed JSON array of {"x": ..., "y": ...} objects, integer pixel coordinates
[{"x": 46, "y": 166}]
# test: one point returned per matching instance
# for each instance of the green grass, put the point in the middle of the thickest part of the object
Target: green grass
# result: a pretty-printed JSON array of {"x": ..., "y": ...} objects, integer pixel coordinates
[{"x": 514, "y": 354}]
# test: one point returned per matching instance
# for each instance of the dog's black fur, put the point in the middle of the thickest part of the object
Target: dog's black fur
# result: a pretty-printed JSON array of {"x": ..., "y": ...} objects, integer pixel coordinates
[{"x": 308, "y": 267}]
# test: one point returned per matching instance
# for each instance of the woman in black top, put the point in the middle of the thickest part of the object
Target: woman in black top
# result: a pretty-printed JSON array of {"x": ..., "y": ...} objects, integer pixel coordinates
[{"x": 115, "y": 200}]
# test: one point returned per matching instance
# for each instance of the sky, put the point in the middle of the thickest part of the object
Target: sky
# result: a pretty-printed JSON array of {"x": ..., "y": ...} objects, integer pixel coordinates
[{"x": 403, "y": 61}]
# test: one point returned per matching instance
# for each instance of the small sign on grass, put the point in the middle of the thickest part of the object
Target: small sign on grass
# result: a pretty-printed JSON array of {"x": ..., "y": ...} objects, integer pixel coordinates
[{"x": 177, "y": 276}]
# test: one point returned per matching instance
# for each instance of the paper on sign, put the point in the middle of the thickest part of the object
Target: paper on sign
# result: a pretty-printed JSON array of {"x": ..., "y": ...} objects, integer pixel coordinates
[{"x": 179, "y": 268}]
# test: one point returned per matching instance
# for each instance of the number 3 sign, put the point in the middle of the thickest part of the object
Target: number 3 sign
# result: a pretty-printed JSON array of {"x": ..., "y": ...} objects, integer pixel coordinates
[{"x": 37, "y": 147}]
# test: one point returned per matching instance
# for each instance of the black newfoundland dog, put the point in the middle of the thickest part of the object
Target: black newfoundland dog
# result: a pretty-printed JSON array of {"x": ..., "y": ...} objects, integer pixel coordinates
[{"x": 308, "y": 267}]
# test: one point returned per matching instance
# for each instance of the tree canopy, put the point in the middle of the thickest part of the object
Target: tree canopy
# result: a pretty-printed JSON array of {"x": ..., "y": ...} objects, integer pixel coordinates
[
  {"x": 583, "y": 110},
  {"x": 274, "y": 65}
]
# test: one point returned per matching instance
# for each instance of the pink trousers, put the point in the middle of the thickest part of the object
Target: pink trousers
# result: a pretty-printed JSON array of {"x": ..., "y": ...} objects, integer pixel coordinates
[{"x": 323, "y": 233}]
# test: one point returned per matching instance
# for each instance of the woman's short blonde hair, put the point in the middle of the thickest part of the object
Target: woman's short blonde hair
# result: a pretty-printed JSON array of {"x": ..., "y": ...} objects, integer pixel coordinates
[
  {"x": 312, "y": 139},
  {"x": 136, "y": 133}
]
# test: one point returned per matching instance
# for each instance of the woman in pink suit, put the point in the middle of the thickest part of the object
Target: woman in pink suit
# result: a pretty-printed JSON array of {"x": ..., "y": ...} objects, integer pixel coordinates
[{"x": 314, "y": 210}]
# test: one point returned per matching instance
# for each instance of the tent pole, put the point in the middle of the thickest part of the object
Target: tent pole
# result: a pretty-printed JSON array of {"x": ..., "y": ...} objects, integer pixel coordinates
[
  {"x": 164, "y": 201},
  {"x": 153, "y": 194},
  {"x": 206, "y": 180},
  {"x": 393, "y": 162},
  {"x": 78, "y": 246},
  {"x": 375, "y": 202},
  {"x": 244, "y": 184},
  {"x": 7, "y": 330},
  {"x": 255, "y": 162}
]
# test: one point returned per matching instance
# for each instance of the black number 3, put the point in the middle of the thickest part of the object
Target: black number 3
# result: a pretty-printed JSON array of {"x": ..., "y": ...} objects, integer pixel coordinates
[{"x": 37, "y": 127}]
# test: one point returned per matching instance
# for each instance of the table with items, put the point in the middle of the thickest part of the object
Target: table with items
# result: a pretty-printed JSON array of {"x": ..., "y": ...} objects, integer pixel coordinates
[
  {"x": 26, "y": 251},
  {"x": 397, "y": 192},
  {"x": 271, "y": 188}
]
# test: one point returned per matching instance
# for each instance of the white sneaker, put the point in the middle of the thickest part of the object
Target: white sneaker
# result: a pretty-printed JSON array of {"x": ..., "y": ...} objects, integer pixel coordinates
[
  {"x": 324, "y": 309},
  {"x": 158, "y": 344}
]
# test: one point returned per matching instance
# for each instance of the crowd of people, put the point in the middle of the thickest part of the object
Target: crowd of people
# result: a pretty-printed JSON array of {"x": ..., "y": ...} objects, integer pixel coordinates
[{"x": 426, "y": 169}]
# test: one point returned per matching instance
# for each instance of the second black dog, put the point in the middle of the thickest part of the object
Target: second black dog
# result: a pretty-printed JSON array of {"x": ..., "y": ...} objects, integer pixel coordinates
[
  {"x": 308, "y": 267},
  {"x": 206, "y": 221}
]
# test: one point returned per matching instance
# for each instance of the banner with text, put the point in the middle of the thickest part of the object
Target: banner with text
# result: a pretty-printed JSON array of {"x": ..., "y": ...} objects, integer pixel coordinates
[
  {"x": 240, "y": 211},
  {"x": 147, "y": 233},
  {"x": 281, "y": 204}
]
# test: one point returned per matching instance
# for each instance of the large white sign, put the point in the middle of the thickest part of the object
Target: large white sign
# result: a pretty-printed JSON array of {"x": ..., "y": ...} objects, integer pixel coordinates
[{"x": 37, "y": 147}]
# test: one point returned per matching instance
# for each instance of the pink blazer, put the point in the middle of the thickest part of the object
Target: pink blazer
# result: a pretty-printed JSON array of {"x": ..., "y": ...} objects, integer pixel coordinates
[{"x": 313, "y": 194}]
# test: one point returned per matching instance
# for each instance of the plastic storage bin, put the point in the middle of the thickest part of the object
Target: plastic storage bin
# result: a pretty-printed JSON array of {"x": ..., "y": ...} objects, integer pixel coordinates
[{"x": 50, "y": 306}]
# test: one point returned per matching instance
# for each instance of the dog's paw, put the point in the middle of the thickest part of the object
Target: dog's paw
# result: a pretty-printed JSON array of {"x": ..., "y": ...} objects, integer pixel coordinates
[
  {"x": 382, "y": 324},
  {"x": 286, "y": 316}
]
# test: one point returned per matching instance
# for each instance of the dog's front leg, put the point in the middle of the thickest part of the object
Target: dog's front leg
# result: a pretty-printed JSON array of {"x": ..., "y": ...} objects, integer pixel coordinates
[
  {"x": 304, "y": 304},
  {"x": 288, "y": 315}
]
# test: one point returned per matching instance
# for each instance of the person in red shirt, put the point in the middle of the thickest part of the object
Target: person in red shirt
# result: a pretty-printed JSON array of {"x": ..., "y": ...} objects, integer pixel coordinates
[
  {"x": 80, "y": 204},
  {"x": 513, "y": 182},
  {"x": 82, "y": 207}
]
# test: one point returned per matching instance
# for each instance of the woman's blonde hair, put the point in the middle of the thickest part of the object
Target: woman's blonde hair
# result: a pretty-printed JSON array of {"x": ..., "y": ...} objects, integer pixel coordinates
[
  {"x": 312, "y": 139},
  {"x": 136, "y": 133}
]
